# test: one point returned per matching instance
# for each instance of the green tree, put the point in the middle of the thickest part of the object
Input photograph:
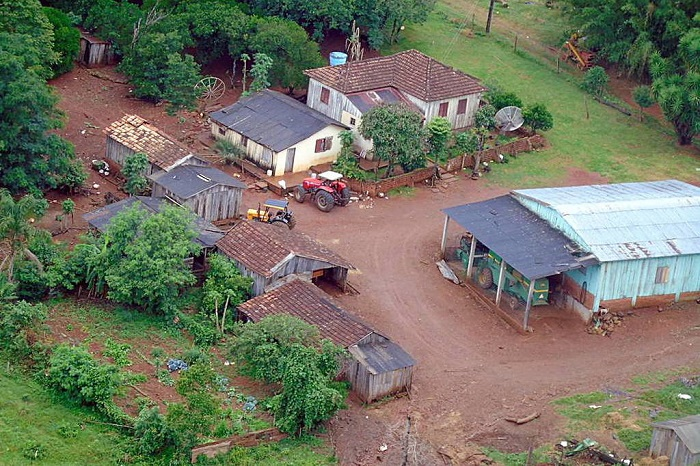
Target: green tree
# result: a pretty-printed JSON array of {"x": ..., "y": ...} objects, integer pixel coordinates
[
  {"x": 113, "y": 21},
  {"x": 223, "y": 289},
  {"x": 142, "y": 258},
  {"x": 500, "y": 99},
  {"x": 290, "y": 48},
  {"x": 644, "y": 97},
  {"x": 466, "y": 142},
  {"x": 17, "y": 228},
  {"x": 676, "y": 86},
  {"x": 595, "y": 81},
  {"x": 485, "y": 118},
  {"x": 68, "y": 208},
  {"x": 385, "y": 19},
  {"x": 537, "y": 117},
  {"x": 66, "y": 40},
  {"x": 397, "y": 136},
  {"x": 134, "y": 170},
  {"x": 439, "y": 134},
  {"x": 318, "y": 16},
  {"x": 19, "y": 324},
  {"x": 260, "y": 71},
  {"x": 151, "y": 431}
]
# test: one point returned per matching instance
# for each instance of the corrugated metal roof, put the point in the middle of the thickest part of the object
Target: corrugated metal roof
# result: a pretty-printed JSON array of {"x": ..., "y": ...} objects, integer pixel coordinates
[
  {"x": 409, "y": 71},
  {"x": 273, "y": 120},
  {"x": 687, "y": 429},
  {"x": 382, "y": 357},
  {"x": 369, "y": 99},
  {"x": 207, "y": 234},
  {"x": 628, "y": 220},
  {"x": 262, "y": 247},
  {"x": 525, "y": 241},
  {"x": 188, "y": 180},
  {"x": 310, "y": 304}
]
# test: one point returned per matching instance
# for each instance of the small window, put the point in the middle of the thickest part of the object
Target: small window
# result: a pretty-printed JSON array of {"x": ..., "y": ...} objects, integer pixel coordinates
[
  {"x": 244, "y": 141},
  {"x": 222, "y": 131},
  {"x": 353, "y": 121},
  {"x": 662, "y": 274},
  {"x": 324, "y": 144},
  {"x": 462, "y": 107},
  {"x": 325, "y": 95},
  {"x": 443, "y": 109}
]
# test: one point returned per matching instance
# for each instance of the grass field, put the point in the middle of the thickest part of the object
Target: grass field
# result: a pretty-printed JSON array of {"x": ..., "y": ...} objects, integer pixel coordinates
[{"x": 586, "y": 134}]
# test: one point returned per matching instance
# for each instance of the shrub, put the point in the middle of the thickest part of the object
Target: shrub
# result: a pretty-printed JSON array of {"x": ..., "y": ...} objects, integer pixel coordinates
[
  {"x": 537, "y": 117},
  {"x": 595, "y": 81},
  {"x": 499, "y": 99},
  {"x": 151, "y": 432},
  {"x": 229, "y": 151},
  {"x": 66, "y": 41},
  {"x": 18, "y": 323}
]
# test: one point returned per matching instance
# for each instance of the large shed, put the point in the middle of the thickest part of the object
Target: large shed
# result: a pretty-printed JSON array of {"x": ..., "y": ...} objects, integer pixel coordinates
[
  {"x": 620, "y": 245},
  {"x": 278, "y": 133},
  {"x": 267, "y": 253},
  {"x": 677, "y": 439},
  {"x": 378, "y": 367},
  {"x": 132, "y": 134},
  {"x": 209, "y": 192}
]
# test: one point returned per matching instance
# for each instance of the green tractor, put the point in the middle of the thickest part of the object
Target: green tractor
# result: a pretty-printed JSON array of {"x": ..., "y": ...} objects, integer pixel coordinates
[{"x": 488, "y": 265}]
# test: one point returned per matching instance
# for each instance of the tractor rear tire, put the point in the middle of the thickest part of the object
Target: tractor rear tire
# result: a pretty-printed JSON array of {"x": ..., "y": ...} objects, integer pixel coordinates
[
  {"x": 324, "y": 201},
  {"x": 300, "y": 194},
  {"x": 485, "y": 278},
  {"x": 291, "y": 223},
  {"x": 345, "y": 197}
]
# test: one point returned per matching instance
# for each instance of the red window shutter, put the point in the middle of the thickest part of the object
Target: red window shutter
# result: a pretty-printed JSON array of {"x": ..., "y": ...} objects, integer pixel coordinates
[
  {"x": 462, "y": 107},
  {"x": 443, "y": 109},
  {"x": 319, "y": 145},
  {"x": 325, "y": 95}
]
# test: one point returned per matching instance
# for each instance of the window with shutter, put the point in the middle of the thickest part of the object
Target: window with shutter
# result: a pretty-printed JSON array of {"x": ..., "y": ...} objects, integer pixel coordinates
[
  {"x": 662, "y": 274},
  {"x": 443, "y": 109},
  {"x": 244, "y": 141},
  {"x": 319, "y": 145},
  {"x": 462, "y": 107},
  {"x": 325, "y": 95}
]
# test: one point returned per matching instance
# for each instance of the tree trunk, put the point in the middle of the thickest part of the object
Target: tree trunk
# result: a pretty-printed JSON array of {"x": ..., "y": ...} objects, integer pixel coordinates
[
  {"x": 684, "y": 132},
  {"x": 223, "y": 317}
]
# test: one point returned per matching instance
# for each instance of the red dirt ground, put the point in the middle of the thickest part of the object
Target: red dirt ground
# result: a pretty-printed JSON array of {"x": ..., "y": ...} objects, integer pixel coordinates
[{"x": 472, "y": 369}]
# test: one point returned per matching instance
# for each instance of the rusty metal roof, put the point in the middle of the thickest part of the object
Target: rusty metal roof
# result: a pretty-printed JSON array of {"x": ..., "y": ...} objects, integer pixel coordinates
[
  {"x": 263, "y": 248},
  {"x": 409, "y": 71},
  {"x": 310, "y": 304},
  {"x": 627, "y": 220},
  {"x": 162, "y": 150}
]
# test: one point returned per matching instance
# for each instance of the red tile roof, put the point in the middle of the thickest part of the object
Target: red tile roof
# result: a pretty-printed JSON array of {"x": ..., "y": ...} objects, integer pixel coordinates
[
  {"x": 262, "y": 247},
  {"x": 306, "y": 301},
  {"x": 410, "y": 71},
  {"x": 135, "y": 133}
]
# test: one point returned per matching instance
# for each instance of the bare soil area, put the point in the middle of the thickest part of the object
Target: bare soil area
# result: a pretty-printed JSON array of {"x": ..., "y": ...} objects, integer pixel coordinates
[{"x": 472, "y": 369}]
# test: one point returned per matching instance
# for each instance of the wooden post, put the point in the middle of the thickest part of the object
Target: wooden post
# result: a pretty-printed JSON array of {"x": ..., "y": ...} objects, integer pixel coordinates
[
  {"x": 472, "y": 251},
  {"x": 501, "y": 276},
  {"x": 558, "y": 69},
  {"x": 528, "y": 305},
  {"x": 585, "y": 103},
  {"x": 488, "y": 20},
  {"x": 443, "y": 243},
  {"x": 515, "y": 45}
]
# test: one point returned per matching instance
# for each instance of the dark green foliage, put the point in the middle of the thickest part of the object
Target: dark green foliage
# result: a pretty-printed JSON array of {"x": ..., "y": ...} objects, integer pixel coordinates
[
  {"x": 31, "y": 284},
  {"x": 537, "y": 117},
  {"x": 595, "y": 81},
  {"x": 439, "y": 134},
  {"x": 203, "y": 331},
  {"x": 151, "y": 432},
  {"x": 290, "y": 48},
  {"x": 643, "y": 97},
  {"x": 485, "y": 117},
  {"x": 19, "y": 324},
  {"x": 225, "y": 288},
  {"x": 113, "y": 21},
  {"x": 17, "y": 228},
  {"x": 384, "y": 19},
  {"x": 74, "y": 7},
  {"x": 260, "y": 71},
  {"x": 73, "y": 370},
  {"x": 466, "y": 142},
  {"x": 397, "y": 135},
  {"x": 119, "y": 352},
  {"x": 500, "y": 99},
  {"x": 75, "y": 267},
  {"x": 134, "y": 170},
  {"x": 66, "y": 40}
]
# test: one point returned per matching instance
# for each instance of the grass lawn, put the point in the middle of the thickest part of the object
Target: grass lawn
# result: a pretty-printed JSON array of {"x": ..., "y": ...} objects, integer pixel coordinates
[
  {"x": 31, "y": 423},
  {"x": 586, "y": 135}
]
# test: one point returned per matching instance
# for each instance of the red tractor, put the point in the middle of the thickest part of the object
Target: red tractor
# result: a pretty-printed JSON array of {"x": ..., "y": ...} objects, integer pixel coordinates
[{"x": 327, "y": 190}]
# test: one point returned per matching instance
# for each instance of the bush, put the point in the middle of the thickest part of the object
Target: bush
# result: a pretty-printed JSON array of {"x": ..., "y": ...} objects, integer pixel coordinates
[
  {"x": 229, "y": 151},
  {"x": 19, "y": 322},
  {"x": 152, "y": 432},
  {"x": 500, "y": 99},
  {"x": 595, "y": 81},
  {"x": 537, "y": 117},
  {"x": 66, "y": 40},
  {"x": 31, "y": 284}
]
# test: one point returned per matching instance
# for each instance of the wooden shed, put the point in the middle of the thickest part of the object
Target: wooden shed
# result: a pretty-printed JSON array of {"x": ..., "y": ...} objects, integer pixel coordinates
[
  {"x": 378, "y": 366},
  {"x": 209, "y": 192},
  {"x": 132, "y": 134},
  {"x": 95, "y": 52},
  {"x": 677, "y": 439},
  {"x": 268, "y": 253}
]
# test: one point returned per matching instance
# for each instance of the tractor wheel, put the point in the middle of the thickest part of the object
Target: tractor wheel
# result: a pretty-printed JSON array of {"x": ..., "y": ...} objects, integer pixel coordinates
[
  {"x": 485, "y": 278},
  {"x": 324, "y": 201},
  {"x": 292, "y": 222},
  {"x": 345, "y": 197},
  {"x": 279, "y": 223},
  {"x": 300, "y": 194}
]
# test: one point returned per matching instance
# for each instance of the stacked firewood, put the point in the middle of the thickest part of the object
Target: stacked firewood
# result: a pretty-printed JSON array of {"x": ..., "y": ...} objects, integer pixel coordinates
[{"x": 605, "y": 324}]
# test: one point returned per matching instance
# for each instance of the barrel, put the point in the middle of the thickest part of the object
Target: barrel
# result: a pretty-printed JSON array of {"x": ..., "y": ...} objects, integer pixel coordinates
[{"x": 338, "y": 58}]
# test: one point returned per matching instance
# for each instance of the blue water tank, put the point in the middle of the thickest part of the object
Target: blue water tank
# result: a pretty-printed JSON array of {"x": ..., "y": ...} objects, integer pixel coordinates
[{"x": 338, "y": 58}]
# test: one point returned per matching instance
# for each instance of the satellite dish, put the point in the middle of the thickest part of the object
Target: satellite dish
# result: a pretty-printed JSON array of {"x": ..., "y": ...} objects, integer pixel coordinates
[{"x": 509, "y": 118}]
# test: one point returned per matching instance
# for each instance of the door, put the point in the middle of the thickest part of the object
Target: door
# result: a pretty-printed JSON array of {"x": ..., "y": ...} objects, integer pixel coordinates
[{"x": 289, "y": 164}]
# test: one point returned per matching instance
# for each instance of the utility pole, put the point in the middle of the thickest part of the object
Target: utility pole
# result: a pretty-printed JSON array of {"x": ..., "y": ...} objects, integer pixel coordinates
[{"x": 488, "y": 21}]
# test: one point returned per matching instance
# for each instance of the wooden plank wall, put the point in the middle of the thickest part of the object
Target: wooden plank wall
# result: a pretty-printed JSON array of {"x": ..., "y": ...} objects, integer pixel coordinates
[{"x": 250, "y": 439}]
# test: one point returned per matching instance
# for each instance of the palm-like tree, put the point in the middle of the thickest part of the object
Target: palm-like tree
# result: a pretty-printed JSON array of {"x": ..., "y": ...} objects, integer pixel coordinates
[{"x": 17, "y": 228}]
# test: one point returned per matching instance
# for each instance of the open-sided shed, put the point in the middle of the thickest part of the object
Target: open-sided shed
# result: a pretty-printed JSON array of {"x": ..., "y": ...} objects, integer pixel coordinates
[
  {"x": 677, "y": 439},
  {"x": 267, "y": 253},
  {"x": 209, "y": 192},
  {"x": 378, "y": 367}
]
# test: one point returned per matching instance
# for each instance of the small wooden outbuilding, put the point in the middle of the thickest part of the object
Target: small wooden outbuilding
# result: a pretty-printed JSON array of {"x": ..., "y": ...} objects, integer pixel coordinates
[
  {"x": 268, "y": 253},
  {"x": 209, "y": 192},
  {"x": 677, "y": 439},
  {"x": 378, "y": 367},
  {"x": 132, "y": 134},
  {"x": 94, "y": 51}
]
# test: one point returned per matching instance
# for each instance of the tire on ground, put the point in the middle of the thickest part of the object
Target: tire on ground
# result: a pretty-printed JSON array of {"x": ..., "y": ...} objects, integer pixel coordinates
[
  {"x": 324, "y": 201},
  {"x": 485, "y": 278},
  {"x": 344, "y": 197},
  {"x": 300, "y": 194}
]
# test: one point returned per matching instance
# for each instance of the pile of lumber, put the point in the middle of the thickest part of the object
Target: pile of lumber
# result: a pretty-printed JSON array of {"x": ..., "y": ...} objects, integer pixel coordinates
[{"x": 605, "y": 324}]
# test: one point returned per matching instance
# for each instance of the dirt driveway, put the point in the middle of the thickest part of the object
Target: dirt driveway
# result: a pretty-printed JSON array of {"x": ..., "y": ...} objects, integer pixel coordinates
[{"x": 473, "y": 370}]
